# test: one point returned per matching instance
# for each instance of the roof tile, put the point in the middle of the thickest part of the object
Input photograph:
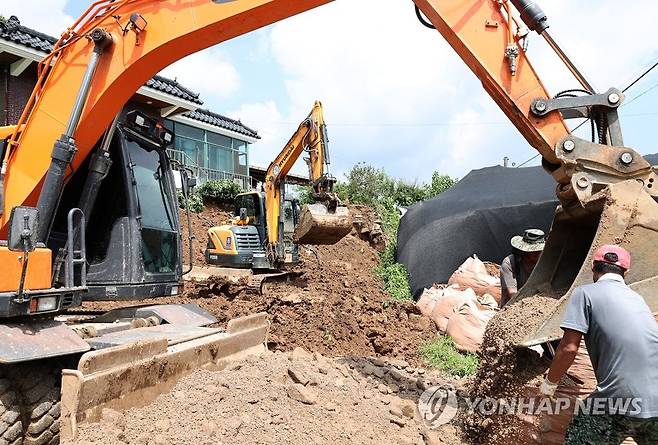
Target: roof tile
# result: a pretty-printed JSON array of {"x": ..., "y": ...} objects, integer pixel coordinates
[
  {"x": 12, "y": 30},
  {"x": 220, "y": 121},
  {"x": 174, "y": 88}
]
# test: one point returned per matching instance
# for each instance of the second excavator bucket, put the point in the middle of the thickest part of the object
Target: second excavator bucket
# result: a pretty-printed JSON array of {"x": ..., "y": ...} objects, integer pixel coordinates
[
  {"x": 622, "y": 214},
  {"x": 317, "y": 225}
]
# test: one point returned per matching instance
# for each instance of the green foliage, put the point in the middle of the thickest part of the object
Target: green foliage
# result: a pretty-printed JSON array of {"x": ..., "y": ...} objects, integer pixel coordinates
[
  {"x": 442, "y": 354},
  {"x": 406, "y": 194},
  {"x": 194, "y": 200},
  {"x": 366, "y": 185},
  {"x": 370, "y": 186},
  {"x": 219, "y": 191},
  {"x": 304, "y": 194},
  {"x": 440, "y": 183},
  {"x": 394, "y": 274}
]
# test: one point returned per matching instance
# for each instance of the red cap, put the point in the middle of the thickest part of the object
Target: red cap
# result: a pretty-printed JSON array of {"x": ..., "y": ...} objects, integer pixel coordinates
[{"x": 613, "y": 254}]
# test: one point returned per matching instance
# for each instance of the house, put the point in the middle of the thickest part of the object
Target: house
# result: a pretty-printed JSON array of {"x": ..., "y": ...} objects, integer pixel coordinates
[{"x": 210, "y": 144}]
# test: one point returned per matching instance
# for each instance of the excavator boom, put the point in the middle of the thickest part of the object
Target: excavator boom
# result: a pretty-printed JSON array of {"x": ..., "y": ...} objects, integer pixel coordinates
[
  {"x": 146, "y": 37},
  {"x": 322, "y": 223}
]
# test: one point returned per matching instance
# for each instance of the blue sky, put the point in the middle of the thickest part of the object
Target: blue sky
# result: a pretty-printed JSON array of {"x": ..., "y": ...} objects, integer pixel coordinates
[{"x": 395, "y": 95}]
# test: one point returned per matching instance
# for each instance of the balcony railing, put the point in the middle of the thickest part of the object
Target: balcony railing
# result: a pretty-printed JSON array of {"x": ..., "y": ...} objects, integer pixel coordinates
[{"x": 204, "y": 174}]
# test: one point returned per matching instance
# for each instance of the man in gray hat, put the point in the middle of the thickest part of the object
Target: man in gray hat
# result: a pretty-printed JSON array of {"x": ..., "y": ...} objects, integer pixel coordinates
[{"x": 516, "y": 268}]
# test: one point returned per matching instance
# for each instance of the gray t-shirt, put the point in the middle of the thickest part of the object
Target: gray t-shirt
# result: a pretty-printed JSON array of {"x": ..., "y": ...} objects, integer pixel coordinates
[
  {"x": 622, "y": 340},
  {"x": 509, "y": 278}
]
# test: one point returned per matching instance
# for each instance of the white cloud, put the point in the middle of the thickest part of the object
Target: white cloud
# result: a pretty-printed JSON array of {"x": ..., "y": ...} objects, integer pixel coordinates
[
  {"x": 382, "y": 77},
  {"x": 266, "y": 118},
  {"x": 47, "y": 16},
  {"x": 208, "y": 72}
]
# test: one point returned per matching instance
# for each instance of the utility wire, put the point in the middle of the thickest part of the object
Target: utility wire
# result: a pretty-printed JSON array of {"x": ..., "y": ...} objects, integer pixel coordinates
[{"x": 640, "y": 77}]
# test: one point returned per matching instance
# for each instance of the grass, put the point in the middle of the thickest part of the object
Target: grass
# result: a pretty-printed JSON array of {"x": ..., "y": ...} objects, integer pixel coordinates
[
  {"x": 393, "y": 274},
  {"x": 442, "y": 354}
]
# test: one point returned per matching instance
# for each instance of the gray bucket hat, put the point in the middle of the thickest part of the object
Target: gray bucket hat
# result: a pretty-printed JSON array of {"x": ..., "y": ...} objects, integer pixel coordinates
[{"x": 533, "y": 240}]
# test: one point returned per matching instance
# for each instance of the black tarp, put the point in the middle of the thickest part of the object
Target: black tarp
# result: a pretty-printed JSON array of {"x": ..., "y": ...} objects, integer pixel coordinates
[{"x": 478, "y": 216}]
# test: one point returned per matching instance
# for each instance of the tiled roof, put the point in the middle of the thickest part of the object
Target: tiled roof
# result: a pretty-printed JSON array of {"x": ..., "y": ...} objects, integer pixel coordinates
[
  {"x": 220, "y": 121},
  {"x": 13, "y": 31},
  {"x": 174, "y": 88}
]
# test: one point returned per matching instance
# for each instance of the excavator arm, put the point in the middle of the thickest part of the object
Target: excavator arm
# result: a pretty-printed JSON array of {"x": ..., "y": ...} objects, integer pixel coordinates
[
  {"x": 145, "y": 36},
  {"x": 310, "y": 137},
  {"x": 607, "y": 190}
]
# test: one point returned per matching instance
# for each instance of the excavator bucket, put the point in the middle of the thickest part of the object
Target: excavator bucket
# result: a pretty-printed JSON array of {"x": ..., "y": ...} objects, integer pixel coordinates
[
  {"x": 317, "y": 225},
  {"x": 622, "y": 214},
  {"x": 136, "y": 372}
]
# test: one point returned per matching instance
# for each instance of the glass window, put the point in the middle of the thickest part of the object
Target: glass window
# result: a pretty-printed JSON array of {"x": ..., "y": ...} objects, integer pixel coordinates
[
  {"x": 156, "y": 207},
  {"x": 153, "y": 192},
  {"x": 220, "y": 158},
  {"x": 192, "y": 148},
  {"x": 188, "y": 132},
  {"x": 241, "y": 165},
  {"x": 248, "y": 201},
  {"x": 239, "y": 145},
  {"x": 219, "y": 139},
  {"x": 288, "y": 217}
]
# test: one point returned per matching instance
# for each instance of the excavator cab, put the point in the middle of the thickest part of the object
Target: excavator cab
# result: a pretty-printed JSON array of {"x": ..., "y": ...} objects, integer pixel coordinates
[
  {"x": 243, "y": 244},
  {"x": 133, "y": 247}
]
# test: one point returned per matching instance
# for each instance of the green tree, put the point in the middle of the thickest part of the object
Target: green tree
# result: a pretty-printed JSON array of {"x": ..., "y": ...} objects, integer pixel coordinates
[
  {"x": 440, "y": 183},
  {"x": 408, "y": 194},
  {"x": 366, "y": 184}
]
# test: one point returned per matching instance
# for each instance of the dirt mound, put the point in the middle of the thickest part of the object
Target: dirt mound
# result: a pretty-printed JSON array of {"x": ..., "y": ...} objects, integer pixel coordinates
[
  {"x": 335, "y": 306},
  {"x": 367, "y": 226},
  {"x": 507, "y": 371},
  {"x": 293, "y": 398},
  {"x": 212, "y": 215}
]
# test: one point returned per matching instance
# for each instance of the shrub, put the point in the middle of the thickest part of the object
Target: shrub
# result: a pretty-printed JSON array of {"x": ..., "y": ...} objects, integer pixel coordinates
[
  {"x": 394, "y": 274},
  {"x": 219, "y": 191},
  {"x": 441, "y": 353},
  {"x": 406, "y": 194},
  {"x": 194, "y": 200}
]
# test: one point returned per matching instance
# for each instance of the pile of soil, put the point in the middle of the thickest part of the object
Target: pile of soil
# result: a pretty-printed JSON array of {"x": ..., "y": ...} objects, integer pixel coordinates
[
  {"x": 335, "y": 305},
  {"x": 507, "y": 371},
  {"x": 212, "y": 215},
  {"x": 293, "y": 398}
]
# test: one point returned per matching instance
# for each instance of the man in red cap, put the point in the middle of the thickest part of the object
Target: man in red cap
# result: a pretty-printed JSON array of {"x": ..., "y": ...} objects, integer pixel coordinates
[{"x": 621, "y": 336}]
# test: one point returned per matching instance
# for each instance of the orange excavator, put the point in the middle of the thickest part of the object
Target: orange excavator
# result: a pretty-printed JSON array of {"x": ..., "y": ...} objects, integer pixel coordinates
[{"x": 88, "y": 200}]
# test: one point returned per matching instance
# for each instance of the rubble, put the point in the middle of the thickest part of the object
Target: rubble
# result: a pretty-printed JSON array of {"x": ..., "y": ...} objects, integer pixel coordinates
[{"x": 271, "y": 408}]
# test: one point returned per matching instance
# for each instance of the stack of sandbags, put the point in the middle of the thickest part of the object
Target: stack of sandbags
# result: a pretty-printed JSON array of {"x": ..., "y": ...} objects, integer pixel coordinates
[
  {"x": 448, "y": 304},
  {"x": 473, "y": 274},
  {"x": 466, "y": 326},
  {"x": 460, "y": 313}
]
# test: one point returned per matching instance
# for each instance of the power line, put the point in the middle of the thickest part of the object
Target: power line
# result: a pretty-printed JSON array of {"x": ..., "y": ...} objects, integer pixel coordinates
[{"x": 640, "y": 77}]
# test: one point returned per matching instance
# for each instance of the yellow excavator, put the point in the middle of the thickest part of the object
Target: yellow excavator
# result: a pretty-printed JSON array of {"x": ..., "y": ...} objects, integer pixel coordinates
[
  {"x": 269, "y": 228},
  {"x": 76, "y": 155}
]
